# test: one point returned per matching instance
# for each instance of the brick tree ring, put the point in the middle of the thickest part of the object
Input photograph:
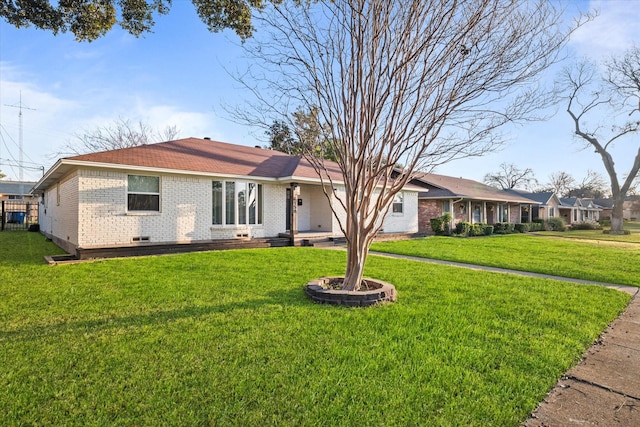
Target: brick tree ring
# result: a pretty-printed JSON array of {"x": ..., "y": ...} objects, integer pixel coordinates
[{"x": 326, "y": 290}]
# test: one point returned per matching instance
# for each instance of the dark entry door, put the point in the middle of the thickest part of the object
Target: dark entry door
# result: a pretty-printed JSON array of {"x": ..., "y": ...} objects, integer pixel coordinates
[{"x": 288, "y": 209}]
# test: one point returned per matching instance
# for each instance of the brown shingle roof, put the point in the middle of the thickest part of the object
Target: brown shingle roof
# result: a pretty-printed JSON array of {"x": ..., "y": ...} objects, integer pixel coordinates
[
  {"x": 196, "y": 155},
  {"x": 447, "y": 187},
  {"x": 200, "y": 155}
]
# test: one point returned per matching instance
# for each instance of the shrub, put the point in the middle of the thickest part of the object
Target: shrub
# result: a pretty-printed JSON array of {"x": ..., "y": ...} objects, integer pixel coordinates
[
  {"x": 437, "y": 226},
  {"x": 488, "y": 230},
  {"x": 587, "y": 224},
  {"x": 503, "y": 228},
  {"x": 536, "y": 226},
  {"x": 556, "y": 224},
  {"x": 476, "y": 230},
  {"x": 605, "y": 222},
  {"x": 521, "y": 228},
  {"x": 462, "y": 228},
  {"x": 440, "y": 225}
]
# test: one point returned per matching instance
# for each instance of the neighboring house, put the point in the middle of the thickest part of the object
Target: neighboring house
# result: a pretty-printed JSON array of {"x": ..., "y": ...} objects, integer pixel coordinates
[
  {"x": 574, "y": 209},
  {"x": 18, "y": 208},
  {"x": 631, "y": 210},
  {"x": 549, "y": 206},
  {"x": 193, "y": 190},
  {"x": 16, "y": 190},
  {"x": 470, "y": 201},
  {"x": 605, "y": 205}
]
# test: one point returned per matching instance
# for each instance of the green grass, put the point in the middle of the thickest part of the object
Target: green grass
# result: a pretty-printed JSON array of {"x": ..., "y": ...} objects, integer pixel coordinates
[
  {"x": 579, "y": 259},
  {"x": 634, "y": 237},
  {"x": 632, "y": 226},
  {"x": 228, "y": 338}
]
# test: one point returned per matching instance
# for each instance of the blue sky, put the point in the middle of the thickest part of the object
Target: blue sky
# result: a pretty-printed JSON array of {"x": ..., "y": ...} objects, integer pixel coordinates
[{"x": 178, "y": 76}]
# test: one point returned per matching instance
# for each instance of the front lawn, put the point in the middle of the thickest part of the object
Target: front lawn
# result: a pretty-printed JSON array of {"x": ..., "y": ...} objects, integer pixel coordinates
[
  {"x": 228, "y": 338},
  {"x": 633, "y": 238},
  {"x": 579, "y": 259},
  {"x": 633, "y": 227}
]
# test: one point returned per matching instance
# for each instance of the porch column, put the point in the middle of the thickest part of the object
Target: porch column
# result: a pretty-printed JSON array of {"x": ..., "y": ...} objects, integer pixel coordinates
[{"x": 484, "y": 218}]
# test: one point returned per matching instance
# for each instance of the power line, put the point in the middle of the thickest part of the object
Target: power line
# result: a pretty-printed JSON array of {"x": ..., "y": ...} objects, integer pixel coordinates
[
  {"x": 20, "y": 106},
  {"x": 3, "y": 128}
]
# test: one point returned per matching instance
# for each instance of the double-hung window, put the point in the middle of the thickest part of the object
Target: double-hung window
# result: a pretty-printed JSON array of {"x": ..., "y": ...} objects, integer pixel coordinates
[
  {"x": 143, "y": 193},
  {"x": 398, "y": 203},
  {"x": 236, "y": 203}
]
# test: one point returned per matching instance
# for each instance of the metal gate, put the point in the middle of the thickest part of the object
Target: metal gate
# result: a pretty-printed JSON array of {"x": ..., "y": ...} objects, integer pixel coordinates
[{"x": 18, "y": 214}]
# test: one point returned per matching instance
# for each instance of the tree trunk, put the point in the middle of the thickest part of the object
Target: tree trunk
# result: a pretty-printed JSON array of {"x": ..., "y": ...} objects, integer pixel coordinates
[
  {"x": 357, "y": 251},
  {"x": 617, "y": 216}
]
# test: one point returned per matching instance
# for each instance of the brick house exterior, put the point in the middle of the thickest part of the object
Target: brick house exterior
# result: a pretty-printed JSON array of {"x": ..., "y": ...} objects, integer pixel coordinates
[
  {"x": 190, "y": 190},
  {"x": 467, "y": 200}
]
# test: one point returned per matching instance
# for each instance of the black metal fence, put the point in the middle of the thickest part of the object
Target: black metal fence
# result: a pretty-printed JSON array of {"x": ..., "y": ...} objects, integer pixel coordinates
[{"x": 18, "y": 214}]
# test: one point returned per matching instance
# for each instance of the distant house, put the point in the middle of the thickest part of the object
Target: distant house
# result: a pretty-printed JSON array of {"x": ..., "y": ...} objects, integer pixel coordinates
[
  {"x": 193, "y": 190},
  {"x": 605, "y": 205},
  {"x": 470, "y": 201},
  {"x": 18, "y": 208},
  {"x": 548, "y": 207},
  {"x": 16, "y": 190},
  {"x": 632, "y": 208},
  {"x": 574, "y": 209}
]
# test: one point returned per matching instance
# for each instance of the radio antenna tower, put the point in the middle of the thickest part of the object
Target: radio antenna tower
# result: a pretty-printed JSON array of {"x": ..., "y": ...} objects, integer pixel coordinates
[{"x": 20, "y": 106}]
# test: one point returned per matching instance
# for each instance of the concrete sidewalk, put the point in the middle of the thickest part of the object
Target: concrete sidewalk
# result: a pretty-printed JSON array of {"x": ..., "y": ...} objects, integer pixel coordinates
[{"x": 604, "y": 388}]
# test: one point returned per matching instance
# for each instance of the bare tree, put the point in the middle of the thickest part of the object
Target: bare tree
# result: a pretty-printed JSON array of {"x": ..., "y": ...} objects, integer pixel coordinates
[
  {"x": 593, "y": 185},
  {"x": 614, "y": 96},
  {"x": 510, "y": 176},
  {"x": 120, "y": 134},
  {"x": 414, "y": 82},
  {"x": 560, "y": 183}
]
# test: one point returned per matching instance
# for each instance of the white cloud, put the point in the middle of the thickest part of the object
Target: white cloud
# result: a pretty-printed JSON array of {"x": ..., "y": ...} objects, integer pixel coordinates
[
  {"x": 612, "y": 32},
  {"x": 54, "y": 120}
]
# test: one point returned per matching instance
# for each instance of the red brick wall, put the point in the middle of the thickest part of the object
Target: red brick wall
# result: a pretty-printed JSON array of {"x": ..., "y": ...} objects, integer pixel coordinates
[
  {"x": 428, "y": 209},
  {"x": 514, "y": 213}
]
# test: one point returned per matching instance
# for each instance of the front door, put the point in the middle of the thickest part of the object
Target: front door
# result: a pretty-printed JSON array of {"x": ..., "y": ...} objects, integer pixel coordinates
[{"x": 288, "y": 210}]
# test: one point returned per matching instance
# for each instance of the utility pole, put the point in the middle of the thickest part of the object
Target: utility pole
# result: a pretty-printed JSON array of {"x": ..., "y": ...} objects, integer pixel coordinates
[{"x": 20, "y": 106}]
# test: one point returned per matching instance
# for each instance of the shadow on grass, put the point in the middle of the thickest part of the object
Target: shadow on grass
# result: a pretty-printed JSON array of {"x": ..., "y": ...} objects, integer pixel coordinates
[{"x": 293, "y": 297}]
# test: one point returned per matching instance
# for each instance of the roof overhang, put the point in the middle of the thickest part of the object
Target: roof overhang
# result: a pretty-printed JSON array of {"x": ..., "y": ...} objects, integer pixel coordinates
[
  {"x": 63, "y": 167},
  {"x": 461, "y": 197}
]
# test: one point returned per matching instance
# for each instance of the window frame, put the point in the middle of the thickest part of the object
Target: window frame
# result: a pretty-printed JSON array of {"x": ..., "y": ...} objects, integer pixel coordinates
[
  {"x": 503, "y": 212},
  {"x": 153, "y": 194},
  {"x": 235, "y": 197},
  {"x": 397, "y": 206}
]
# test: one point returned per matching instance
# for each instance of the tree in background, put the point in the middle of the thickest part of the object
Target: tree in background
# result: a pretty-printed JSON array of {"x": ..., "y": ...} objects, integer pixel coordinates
[
  {"x": 510, "y": 176},
  {"x": 409, "y": 82},
  {"x": 611, "y": 101},
  {"x": 91, "y": 19},
  {"x": 281, "y": 139},
  {"x": 122, "y": 133},
  {"x": 592, "y": 186},
  {"x": 310, "y": 136},
  {"x": 560, "y": 183}
]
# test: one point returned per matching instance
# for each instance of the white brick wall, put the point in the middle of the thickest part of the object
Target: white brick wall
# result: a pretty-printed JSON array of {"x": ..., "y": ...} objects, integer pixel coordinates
[
  {"x": 185, "y": 211},
  {"x": 407, "y": 221},
  {"x": 58, "y": 216},
  {"x": 93, "y": 212}
]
